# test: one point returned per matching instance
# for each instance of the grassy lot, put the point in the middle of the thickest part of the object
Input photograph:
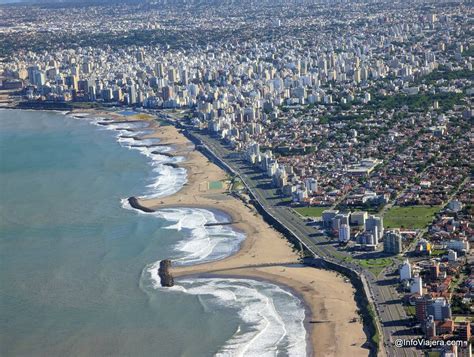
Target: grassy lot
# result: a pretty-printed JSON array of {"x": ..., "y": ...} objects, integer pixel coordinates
[
  {"x": 311, "y": 211},
  {"x": 410, "y": 310},
  {"x": 375, "y": 265},
  {"x": 438, "y": 252},
  {"x": 215, "y": 185},
  {"x": 238, "y": 185},
  {"x": 142, "y": 116},
  {"x": 412, "y": 217}
]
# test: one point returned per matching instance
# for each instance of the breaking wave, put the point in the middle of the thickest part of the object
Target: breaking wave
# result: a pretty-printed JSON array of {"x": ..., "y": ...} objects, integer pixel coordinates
[{"x": 272, "y": 318}]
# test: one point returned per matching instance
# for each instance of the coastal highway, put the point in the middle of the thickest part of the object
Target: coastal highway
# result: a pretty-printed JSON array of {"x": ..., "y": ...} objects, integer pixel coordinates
[{"x": 394, "y": 323}]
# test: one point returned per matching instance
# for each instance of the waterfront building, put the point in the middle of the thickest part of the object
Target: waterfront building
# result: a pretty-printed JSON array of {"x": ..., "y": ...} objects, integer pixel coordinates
[
  {"x": 392, "y": 242},
  {"x": 417, "y": 285},
  {"x": 439, "y": 308},
  {"x": 344, "y": 233},
  {"x": 374, "y": 226},
  {"x": 405, "y": 271},
  {"x": 358, "y": 218},
  {"x": 328, "y": 216}
]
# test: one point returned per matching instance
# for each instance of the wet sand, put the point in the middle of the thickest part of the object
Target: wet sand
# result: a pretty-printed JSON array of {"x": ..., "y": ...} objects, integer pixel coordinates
[{"x": 334, "y": 325}]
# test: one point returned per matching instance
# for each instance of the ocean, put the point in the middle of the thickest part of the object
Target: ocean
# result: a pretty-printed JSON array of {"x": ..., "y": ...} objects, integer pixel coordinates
[{"x": 78, "y": 265}]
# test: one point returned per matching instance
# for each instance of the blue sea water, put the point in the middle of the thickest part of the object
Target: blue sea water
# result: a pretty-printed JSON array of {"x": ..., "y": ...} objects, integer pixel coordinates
[{"x": 77, "y": 268}]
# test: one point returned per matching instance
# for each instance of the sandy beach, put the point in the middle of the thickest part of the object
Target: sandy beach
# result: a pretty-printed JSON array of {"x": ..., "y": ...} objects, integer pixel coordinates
[{"x": 333, "y": 323}]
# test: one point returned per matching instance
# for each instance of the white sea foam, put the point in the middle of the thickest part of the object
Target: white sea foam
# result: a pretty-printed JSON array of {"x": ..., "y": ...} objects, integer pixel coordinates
[
  {"x": 272, "y": 318},
  {"x": 166, "y": 180},
  {"x": 201, "y": 243},
  {"x": 78, "y": 115}
]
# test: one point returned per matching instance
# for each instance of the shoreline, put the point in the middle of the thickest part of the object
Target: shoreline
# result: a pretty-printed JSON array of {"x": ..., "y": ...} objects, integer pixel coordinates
[
  {"x": 264, "y": 255},
  {"x": 329, "y": 331},
  {"x": 255, "y": 260},
  {"x": 291, "y": 290}
]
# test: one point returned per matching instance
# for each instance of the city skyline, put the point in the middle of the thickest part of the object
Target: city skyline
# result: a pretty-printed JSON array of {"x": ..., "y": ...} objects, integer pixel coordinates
[{"x": 347, "y": 125}]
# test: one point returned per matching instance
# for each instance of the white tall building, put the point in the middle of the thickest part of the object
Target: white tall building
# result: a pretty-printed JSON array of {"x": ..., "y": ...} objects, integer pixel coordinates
[
  {"x": 405, "y": 271},
  {"x": 311, "y": 184},
  {"x": 344, "y": 233},
  {"x": 417, "y": 286},
  {"x": 374, "y": 225},
  {"x": 452, "y": 255},
  {"x": 302, "y": 195}
]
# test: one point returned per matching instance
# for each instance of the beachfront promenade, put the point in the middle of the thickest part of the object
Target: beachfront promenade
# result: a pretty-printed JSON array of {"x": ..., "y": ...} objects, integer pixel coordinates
[{"x": 379, "y": 291}]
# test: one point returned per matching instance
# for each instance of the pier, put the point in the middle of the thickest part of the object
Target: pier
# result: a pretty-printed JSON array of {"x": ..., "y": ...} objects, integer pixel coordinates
[{"x": 219, "y": 224}]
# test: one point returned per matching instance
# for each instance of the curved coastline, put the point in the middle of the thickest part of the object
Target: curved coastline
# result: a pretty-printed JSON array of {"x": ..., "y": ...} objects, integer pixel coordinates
[
  {"x": 277, "y": 310},
  {"x": 307, "y": 323},
  {"x": 250, "y": 261}
]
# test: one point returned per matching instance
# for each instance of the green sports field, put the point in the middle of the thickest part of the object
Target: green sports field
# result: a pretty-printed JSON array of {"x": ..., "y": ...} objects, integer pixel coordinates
[
  {"x": 411, "y": 217},
  {"x": 311, "y": 211}
]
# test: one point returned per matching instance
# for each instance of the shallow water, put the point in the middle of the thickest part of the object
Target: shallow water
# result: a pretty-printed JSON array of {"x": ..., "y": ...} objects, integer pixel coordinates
[{"x": 76, "y": 268}]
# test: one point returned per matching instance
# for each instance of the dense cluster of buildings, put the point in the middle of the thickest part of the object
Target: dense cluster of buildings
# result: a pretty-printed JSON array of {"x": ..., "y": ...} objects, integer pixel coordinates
[
  {"x": 432, "y": 289},
  {"x": 365, "y": 230},
  {"x": 439, "y": 283},
  {"x": 351, "y": 108},
  {"x": 313, "y": 109}
]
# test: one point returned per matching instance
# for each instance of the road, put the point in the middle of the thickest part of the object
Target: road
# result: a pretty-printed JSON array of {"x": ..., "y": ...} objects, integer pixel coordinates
[{"x": 394, "y": 323}]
